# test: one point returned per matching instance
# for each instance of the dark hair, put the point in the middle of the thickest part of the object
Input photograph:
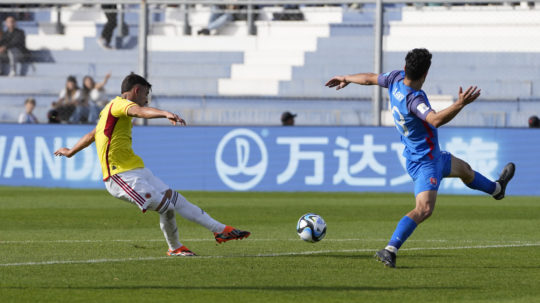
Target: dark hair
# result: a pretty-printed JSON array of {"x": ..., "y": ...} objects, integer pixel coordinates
[
  {"x": 53, "y": 116},
  {"x": 534, "y": 122},
  {"x": 86, "y": 90},
  {"x": 286, "y": 116},
  {"x": 84, "y": 80},
  {"x": 417, "y": 63},
  {"x": 30, "y": 100},
  {"x": 133, "y": 79},
  {"x": 71, "y": 78},
  {"x": 74, "y": 80},
  {"x": 70, "y": 93}
]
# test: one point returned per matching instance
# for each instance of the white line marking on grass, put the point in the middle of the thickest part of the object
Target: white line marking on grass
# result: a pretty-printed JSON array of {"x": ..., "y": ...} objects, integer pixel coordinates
[
  {"x": 82, "y": 261},
  {"x": 75, "y": 241},
  {"x": 284, "y": 254}
]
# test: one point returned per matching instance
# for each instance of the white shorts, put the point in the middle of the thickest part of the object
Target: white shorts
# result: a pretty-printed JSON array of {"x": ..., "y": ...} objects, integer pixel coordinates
[{"x": 138, "y": 186}]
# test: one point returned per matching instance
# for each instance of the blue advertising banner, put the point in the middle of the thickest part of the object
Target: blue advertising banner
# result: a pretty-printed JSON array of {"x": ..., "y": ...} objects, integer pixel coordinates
[{"x": 267, "y": 158}]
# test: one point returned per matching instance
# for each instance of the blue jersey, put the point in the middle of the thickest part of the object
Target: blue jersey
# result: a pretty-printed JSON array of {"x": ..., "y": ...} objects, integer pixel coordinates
[{"x": 410, "y": 108}]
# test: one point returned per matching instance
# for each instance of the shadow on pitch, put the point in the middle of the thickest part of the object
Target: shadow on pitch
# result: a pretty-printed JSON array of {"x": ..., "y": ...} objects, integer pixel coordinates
[
  {"x": 247, "y": 288},
  {"x": 440, "y": 261},
  {"x": 337, "y": 256}
]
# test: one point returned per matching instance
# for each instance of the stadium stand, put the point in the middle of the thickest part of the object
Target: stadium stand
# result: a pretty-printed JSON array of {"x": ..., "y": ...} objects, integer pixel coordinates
[{"x": 234, "y": 78}]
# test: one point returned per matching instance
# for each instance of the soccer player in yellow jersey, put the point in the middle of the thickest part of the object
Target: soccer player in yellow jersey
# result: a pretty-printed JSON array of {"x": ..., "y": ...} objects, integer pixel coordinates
[{"x": 124, "y": 173}]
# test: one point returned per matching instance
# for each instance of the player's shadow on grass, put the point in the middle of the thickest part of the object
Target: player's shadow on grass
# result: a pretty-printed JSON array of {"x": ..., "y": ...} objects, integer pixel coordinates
[
  {"x": 337, "y": 255},
  {"x": 445, "y": 266},
  {"x": 244, "y": 288},
  {"x": 441, "y": 261},
  {"x": 416, "y": 265}
]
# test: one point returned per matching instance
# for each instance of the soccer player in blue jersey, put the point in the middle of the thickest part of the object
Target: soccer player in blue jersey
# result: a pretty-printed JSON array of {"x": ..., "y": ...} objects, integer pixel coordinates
[{"x": 417, "y": 124}]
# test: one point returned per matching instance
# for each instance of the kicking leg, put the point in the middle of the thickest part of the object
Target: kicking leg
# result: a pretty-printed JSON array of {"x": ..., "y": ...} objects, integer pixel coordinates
[
  {"x": 222, "y": 232},
  {"x": 194, "y": 213}
]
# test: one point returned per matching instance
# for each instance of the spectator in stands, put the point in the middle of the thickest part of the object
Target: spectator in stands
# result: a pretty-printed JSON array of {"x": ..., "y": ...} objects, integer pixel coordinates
[
  {"x": 28, "y": 116},
  {"x": 220, "y": 16},
  {"x": 94, "y": 96},
  {"x": 68, "y": 101},
  {"x": 19, "y": 11},
  {"x": 287, "y": 119},
  {"x": 223, "y": 14},
  {"x": 534, "y": 122},
  {"x": 3, "y": 14},
  {"x": 107, "y": 32},
  {"x": 12, "y": 45},
  {"x": 53, "y": 117},
  {"x": 290, "y": 13}
]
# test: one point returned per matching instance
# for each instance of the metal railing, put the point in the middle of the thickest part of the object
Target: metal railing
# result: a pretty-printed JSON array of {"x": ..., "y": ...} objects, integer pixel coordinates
[{"x": 184, "y": 6}]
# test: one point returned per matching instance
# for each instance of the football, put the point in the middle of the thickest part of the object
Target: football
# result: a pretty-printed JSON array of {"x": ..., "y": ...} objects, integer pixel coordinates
[{"x": 311, "y": 227}]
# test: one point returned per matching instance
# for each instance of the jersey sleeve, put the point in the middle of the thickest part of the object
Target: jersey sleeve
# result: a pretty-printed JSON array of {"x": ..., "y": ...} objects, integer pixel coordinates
[
  {"x": 121, "y": 106},
  {"x": 386, "y": 79},
  {"x": 418, "y": 105}
]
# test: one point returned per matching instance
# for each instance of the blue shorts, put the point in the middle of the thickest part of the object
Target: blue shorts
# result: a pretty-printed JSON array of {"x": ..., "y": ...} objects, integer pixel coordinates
[{"x": 427, "y": 175}]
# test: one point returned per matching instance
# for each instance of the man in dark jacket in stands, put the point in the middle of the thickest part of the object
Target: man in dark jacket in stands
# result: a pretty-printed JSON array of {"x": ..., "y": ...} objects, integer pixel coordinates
[{"x": 12, "y": 46}]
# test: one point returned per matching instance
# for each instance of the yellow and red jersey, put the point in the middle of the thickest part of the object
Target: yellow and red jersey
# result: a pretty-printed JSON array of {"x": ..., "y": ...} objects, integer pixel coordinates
[{"x": 113, "y": 139}]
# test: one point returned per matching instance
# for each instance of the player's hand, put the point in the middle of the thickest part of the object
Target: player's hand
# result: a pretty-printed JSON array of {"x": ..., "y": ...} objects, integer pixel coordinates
[
  {"x": 174, "y": 119},
  {"x": 338, "y": 82},
  {"x": 63, "y": 152},
  {"x": 469, "y": 95}
]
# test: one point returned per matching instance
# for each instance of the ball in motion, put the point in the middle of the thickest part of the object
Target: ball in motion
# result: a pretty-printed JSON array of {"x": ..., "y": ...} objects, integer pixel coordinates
[{"x": 311, "y": 227}]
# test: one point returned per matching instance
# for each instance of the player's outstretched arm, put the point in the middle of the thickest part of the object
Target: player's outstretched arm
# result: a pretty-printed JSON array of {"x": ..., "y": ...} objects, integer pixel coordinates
[
  {"x": 83, "y": 143},
  {"x": 340, "y": 82},
  {"x": 446, "y": 115},
  {"x": 152, "y": 113}
]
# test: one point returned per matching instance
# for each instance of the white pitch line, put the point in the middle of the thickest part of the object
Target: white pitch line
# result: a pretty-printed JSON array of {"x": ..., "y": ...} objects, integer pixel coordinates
[
  {"x": 82, "y": 261},
  {"x": 284, "y": 254},
  {"x": 75, "y": 241}
]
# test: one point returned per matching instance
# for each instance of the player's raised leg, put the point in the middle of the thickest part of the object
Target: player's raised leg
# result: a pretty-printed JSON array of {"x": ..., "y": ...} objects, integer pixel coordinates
[
  {"x": 476, "y": 180},
  {"x": 230, "y": 233},
  {"x": 506, "y": 175}
]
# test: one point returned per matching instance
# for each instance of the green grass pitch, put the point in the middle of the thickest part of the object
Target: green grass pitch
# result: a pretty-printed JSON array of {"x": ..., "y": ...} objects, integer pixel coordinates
[{"x": 60, "y": 245}]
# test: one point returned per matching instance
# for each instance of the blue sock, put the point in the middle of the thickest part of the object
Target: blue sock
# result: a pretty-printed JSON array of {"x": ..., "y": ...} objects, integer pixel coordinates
[
  {"x": 482, "y": 183},
  {"x": 403, "y": 230}
]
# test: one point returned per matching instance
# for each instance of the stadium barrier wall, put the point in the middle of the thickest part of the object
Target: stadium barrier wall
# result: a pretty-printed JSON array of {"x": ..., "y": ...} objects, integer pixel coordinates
[{"x": 363, "y": 159}]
